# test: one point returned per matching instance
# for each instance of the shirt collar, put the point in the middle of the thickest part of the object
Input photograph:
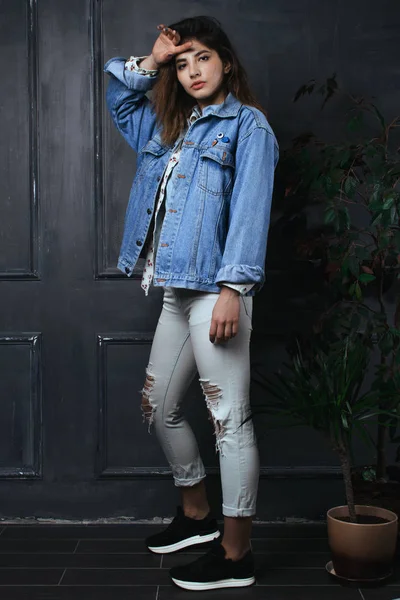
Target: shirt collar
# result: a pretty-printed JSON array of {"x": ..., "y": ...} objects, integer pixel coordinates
[{"x": 195, "y": 114}]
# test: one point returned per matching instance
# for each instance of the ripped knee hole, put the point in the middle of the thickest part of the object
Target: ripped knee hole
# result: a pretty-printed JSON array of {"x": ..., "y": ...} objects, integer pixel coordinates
[
  {"x": 213, "y": 393},
  {"x": 147, "y": 407}
]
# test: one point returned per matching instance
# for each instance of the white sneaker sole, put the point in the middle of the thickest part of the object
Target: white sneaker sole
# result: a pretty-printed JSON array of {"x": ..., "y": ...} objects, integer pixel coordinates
[
  {"x": 192, "y": 541},
  {"x": 213, "y": 585}
]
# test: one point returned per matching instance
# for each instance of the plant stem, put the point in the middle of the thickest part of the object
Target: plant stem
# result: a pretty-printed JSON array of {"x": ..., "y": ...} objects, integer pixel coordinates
[
  {"x": 381, "y": 438},
  {"x": 382, "y": 426},
  {"x": 348, "y": 484},
  {"x": 381, "y": 446}
]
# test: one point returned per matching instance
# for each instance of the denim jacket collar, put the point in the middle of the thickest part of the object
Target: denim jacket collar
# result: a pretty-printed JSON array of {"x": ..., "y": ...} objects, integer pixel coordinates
[{"x": 228, "y": 108}]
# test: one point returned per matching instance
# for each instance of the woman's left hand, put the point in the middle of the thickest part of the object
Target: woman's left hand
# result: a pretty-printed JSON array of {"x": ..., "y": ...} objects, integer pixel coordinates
[{"x": 225, "y": 316}]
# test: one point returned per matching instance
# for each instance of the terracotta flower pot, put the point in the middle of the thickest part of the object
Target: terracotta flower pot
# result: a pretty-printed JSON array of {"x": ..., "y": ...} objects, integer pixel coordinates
[{"x": 362, "y": 552}]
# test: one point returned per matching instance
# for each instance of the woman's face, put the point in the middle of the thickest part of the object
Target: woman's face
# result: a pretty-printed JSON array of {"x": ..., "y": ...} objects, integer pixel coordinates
[{"x": 201, "y": 73}]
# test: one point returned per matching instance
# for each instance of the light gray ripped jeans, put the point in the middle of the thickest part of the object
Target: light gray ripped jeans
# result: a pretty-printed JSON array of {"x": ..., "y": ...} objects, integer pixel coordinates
[{"x": 181, "y": 347}]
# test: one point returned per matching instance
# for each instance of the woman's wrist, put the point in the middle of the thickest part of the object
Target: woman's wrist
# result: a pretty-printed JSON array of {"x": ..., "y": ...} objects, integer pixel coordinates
[
  {"x": 228, "y": 291},
  {"x": 149, "y": 63}
]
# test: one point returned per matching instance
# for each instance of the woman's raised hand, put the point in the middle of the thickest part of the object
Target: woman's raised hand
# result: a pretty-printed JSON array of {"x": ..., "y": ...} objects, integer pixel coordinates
[{"x": 167, "y": 45}]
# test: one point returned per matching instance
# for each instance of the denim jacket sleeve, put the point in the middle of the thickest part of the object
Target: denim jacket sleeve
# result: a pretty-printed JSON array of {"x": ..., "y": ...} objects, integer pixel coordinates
[
  {"x": 128, "y": 104},
  {"x": 249, "y": 215}
]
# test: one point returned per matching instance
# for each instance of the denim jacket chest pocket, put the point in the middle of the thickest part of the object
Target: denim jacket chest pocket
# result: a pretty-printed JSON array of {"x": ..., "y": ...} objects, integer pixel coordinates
[
  {"x": 149, "y": 156},
  {"x": 217, "y": 169}
]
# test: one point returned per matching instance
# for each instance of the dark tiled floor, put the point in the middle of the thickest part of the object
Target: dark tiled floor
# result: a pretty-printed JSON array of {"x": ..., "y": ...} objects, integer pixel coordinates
[{"x": 104, "y": 562}]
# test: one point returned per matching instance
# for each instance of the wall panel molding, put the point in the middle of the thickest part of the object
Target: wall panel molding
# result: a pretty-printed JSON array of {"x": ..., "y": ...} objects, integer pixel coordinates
[
  {"x": 102, "y": 270},
  {"x": 104, "y": 341},
  {"x": 32, "y": 272},
  {"x": 32, "y": 468},
  {"x": 304, "y": 472},
  {"x": 100, "y": 250}
]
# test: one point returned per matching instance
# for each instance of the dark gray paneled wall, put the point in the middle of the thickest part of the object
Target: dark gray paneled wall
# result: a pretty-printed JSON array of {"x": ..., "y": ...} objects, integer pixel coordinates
[{"x": 75, "y": 333}]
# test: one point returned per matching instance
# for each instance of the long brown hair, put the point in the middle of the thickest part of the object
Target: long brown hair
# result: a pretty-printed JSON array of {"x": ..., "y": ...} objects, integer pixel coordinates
[{"x": 172, "y": 104}]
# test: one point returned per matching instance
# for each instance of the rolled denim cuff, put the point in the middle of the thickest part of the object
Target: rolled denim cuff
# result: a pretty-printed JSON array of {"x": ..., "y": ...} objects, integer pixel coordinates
[
  {"x": 132, "y": 79},
  {"x": 241, "y": 274}
]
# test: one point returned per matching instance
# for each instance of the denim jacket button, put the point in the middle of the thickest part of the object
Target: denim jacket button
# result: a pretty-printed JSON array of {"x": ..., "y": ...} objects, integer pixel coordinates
[
  {"x": 139, "y": 243},
  {"x": 127, "y": 270},
  {"x": 149, "y": 211}
]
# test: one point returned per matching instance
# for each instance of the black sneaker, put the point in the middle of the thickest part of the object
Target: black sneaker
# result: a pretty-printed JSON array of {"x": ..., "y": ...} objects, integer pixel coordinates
[
  {"x": 213, "y": 571},
  {"x": 183, "y": 532}
]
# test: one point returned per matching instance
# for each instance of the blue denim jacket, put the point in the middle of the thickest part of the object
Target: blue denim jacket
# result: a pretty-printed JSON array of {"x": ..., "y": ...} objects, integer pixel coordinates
[{"x": 221, "y": 193}]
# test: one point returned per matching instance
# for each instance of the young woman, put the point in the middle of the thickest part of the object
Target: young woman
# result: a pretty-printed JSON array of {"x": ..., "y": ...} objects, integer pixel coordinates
[{"x": 199, "y": 213}]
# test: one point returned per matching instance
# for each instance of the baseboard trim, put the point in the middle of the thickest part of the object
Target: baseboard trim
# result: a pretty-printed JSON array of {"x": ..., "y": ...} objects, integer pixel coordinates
[{"x": 291, "y": 472}]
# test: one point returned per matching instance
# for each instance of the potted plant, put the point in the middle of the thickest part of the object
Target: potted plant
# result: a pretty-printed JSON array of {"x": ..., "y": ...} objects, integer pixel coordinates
[
  {"x": 320, "y": 387},
  {"x": 356, "y": 182}
]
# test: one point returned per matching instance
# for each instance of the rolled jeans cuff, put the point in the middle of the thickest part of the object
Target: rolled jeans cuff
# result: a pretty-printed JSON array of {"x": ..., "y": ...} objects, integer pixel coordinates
[
  {"x": 229, "y": 511},
  {"x": 188, "y": 482}
]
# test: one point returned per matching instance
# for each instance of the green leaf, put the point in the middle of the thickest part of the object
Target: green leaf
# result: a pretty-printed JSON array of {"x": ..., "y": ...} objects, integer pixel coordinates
[
  {"x": 375, "y": 202},
  {"x": 330, "y": 216},
  {"x": 366, "y": 277},
  {"x": 358, "y": 291},
  {"x": 376, "y": 219},
  {"x": 345, "y": 422},
  {"x": 388, "y": 203},
  {"x": 369, "y": 474},
  {"x": 349, "y": 186}
]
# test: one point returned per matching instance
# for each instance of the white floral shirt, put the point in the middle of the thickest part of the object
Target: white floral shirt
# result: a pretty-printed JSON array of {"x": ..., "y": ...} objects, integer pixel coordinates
[
  {"x": 133, "y": 64},
  {"x": 148, "y": 270}
]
